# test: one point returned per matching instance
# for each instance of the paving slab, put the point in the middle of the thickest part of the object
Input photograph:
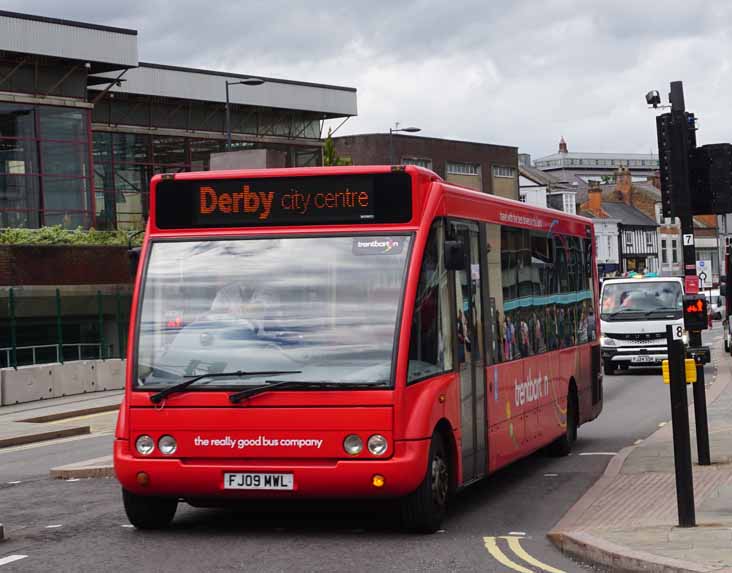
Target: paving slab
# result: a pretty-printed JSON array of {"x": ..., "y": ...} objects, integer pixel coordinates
[
  {"x": 628, "y": 520},
  {"x": 95, "y": 468},
  {"x": 44, "y": 420}
]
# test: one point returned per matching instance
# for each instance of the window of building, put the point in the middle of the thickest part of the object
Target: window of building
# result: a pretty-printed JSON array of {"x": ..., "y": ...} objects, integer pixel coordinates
[
  {"x": 674, "y": 251},
  {"x": 418, "y": 161},
  {"x": 664, "y": 254},
  {"x": 649, "y": 239},
  {"x": 454, "y": 168},
  {"x": 430, "y": 345},
  {"x": 44, "y": 166},
  {"x": 499, "y": 171}
]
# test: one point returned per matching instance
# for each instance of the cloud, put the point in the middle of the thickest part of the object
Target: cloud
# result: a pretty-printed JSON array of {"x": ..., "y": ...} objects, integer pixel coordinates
[{"x": 519, "y": 73}]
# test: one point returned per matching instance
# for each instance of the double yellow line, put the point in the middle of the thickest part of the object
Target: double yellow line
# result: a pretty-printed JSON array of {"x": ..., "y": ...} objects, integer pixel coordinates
[{"x": 514, "y": 544}]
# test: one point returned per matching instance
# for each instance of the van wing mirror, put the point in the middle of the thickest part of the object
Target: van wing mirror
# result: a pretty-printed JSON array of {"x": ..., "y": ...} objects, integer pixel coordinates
[{"x": 454, "y": 255}]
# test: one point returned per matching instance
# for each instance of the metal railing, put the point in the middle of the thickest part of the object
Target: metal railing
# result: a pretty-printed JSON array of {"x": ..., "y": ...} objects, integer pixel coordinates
[
  {"x": 99, "y": 318},
  {"x": 46, "y": 353}
]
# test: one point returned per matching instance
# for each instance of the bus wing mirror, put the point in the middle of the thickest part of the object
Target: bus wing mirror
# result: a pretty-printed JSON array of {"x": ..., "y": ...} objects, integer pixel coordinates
[
  {"x": 133, "y": 256},
  {"x": 454, "y": 256}
]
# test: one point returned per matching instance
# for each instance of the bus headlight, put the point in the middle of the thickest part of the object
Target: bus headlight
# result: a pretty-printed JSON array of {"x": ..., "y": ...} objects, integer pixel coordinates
[
  {"x": 377, "y": 444},
  {"x": 167, "y": 445},
  {"x": 353, "y": 445},
  {"x": 607, "y": 341},
  {"x": 145, "y": 445}
]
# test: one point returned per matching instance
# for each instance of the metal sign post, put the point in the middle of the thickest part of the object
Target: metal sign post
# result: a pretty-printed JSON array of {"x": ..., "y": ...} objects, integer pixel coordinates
[{"x": 680, "y": 426}]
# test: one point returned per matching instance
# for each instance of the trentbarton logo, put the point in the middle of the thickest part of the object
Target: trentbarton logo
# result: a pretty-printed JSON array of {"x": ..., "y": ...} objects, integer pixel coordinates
[
  {"x": 377, "y": 246},
  {"x": 531, "y": 390}
]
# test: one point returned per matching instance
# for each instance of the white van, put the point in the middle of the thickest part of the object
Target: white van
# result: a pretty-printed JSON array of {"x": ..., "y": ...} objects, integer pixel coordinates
[{"x": 634, "y": 313}]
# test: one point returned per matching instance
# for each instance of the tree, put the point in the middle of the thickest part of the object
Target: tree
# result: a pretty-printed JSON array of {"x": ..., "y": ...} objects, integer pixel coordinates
[{"x": 330, "y": 155}]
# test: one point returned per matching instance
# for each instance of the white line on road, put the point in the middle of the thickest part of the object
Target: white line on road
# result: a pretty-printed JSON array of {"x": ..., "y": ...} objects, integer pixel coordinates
[
  {"x": 598, "y": 454},
  {"x": 127, "y": 525},
  {"x": 551, "y": 475},
  {"x": 517, "y": 533},
  {"x": 16, "y": 482},
  {"x": 11, "y": 559},
  {"x": 637, "y": 442},
  {"x": 72, "y": 479},
  {"x": 54, "y": 526}
]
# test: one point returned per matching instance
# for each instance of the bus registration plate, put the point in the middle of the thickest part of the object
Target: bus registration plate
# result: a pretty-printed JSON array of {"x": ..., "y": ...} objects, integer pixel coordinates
[{"x": 258, "y": 481}]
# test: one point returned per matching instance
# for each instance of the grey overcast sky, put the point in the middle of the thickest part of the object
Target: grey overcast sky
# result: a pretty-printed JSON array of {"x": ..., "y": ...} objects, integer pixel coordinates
[{"x": 512, "y": 72}]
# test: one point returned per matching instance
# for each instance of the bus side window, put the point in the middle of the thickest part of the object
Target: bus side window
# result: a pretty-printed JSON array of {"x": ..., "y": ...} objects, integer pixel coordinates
[
  {"x": 430, "y": 346},
  {"x": 496, "y": 317}
]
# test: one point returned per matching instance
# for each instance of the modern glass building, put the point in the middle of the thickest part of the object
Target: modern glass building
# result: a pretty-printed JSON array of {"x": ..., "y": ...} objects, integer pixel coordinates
[{"x": 84, "y": 124}]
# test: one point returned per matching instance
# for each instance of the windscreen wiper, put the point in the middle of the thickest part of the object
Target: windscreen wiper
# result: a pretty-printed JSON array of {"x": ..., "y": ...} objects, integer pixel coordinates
[
  {"x": 156, "y": 398},
  {"x": 273, "y": 384}
]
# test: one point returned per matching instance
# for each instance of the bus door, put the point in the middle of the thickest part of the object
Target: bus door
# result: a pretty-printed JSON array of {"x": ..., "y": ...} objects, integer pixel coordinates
[{"x": 469, "y": 353}]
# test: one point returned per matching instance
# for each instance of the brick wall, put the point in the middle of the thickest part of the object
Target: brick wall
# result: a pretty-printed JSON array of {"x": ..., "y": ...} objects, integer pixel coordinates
[
  {"x": 26, "y": 265},
  {"x": 373, "y": 149}
]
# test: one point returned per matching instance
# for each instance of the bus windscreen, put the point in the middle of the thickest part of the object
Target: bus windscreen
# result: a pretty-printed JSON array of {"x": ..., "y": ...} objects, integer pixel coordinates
[{"x": 284, "y": 201}]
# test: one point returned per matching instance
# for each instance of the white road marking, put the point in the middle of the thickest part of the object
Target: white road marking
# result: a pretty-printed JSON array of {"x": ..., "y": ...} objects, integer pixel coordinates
[
  {"x": 11, "y": 559},
  {"x": 598, "y": 454},
  {"x": 54, "y": 526},
  {"x": 72, "y": 479},
  {"x": 517, "y": 533},
  {"x": 550, "y": 475},
  {"x": 637, "y": 442},
  {"x": 16, "y": 482},
  {"x": 127, "y": 526}
]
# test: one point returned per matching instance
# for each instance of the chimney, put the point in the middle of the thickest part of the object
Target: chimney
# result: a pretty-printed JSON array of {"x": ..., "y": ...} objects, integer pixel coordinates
[
  {"x": 594, "y": 196},
  {"x": 562, "y": 146},
  {"x": 655, "y": 179},
  {"x": 624, "y": 185}
]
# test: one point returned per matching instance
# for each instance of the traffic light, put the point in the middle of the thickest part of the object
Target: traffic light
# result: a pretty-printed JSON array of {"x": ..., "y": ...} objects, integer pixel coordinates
[
  {"x": 676, "y": 133},
  {"x": 711, "y": 179},
  {"x": 695, "y": 312}
]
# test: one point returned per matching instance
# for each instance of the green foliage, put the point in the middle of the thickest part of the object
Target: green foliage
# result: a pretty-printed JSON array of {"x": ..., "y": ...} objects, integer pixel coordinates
[
  {"x": 330, "y": 156},
  {"x": 59, "y": 236}
]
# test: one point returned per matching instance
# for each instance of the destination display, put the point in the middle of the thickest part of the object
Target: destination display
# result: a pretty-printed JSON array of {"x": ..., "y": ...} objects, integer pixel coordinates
[{"x": 284, "y": 201}]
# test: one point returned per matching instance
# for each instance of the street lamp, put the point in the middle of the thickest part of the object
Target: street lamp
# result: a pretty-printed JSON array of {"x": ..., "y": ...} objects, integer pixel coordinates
[
  {"x": 395, "y": 130},
  {"x": 246, "y": 82}
]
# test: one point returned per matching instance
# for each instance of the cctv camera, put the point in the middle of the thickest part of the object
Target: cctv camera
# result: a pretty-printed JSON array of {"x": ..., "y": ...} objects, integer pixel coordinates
[{"x": 653, "y": 98}]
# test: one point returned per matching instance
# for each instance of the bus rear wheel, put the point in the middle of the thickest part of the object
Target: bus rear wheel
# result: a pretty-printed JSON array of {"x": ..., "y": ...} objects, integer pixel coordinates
[
  {"x": 147, "y": 512},
  {"x": 562, "y": 446},
  {"x": 424, "y": 509}
]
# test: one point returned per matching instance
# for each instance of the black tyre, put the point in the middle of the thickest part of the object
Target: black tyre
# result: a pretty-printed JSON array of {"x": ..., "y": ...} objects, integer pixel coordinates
[
  {"x": 145, "y": 512},
  {"x": 726, "y": 345},
  {"x": 562, "y": 446},
  {"x": 424, "y": 509},
  {"x": 608, "y": 367}
]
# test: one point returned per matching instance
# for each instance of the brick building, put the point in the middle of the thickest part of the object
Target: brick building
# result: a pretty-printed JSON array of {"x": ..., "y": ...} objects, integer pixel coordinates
[{"x": 486, "y": 167}]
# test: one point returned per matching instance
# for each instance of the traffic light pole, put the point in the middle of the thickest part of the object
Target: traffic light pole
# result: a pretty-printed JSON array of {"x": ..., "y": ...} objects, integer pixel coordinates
[{"x": 681, "y": 169}]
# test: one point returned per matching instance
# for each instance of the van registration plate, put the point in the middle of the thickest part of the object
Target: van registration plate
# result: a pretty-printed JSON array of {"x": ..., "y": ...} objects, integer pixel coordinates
[
  {"x": 642, "y": 359},
  {"x": 268, "y": 481}
]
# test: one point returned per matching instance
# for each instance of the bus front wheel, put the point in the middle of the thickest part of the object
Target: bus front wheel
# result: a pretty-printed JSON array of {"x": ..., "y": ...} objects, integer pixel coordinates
[
  {"x": 147, "y": 512},
  {"x": 424, "y": 509}
]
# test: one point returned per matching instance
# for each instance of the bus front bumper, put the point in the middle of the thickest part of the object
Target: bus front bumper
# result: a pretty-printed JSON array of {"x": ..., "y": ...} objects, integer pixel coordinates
[{"x": 199, "y": 479}]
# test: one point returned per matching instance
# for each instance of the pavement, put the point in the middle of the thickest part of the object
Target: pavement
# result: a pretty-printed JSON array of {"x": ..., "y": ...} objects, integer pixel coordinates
[{"x": 628, "y": 520}]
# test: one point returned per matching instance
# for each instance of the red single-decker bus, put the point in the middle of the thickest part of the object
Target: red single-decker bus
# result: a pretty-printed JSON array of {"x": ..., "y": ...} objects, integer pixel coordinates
[{"x": 349, "y": 332}]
